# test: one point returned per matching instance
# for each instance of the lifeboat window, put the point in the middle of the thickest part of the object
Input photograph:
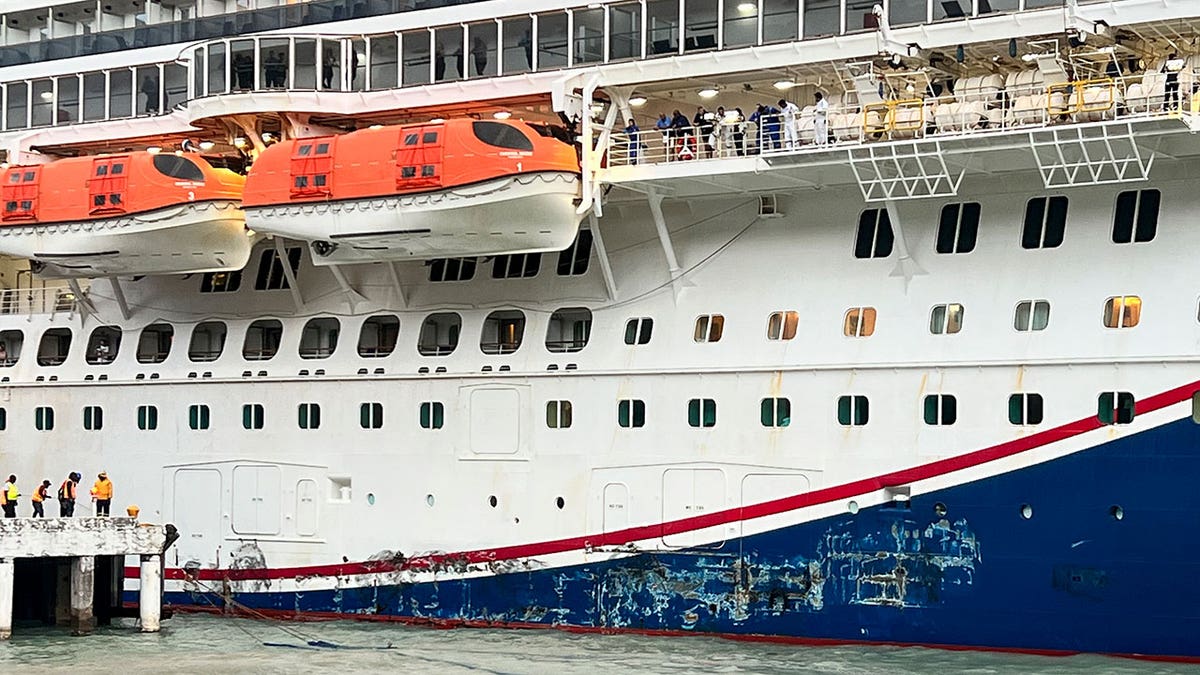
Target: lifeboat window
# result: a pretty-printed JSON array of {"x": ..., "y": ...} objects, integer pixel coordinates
[
  {"x": 103, "y": 345},
  {"x": 10, "y": 347},
  {"x": 322, "y": 148},
  {"x": 941, "y": 409},
  {"x": 310, "y": 170},
  {"x": 516, "y": 266},
  {"x": 154, "y": 344},
  {"x": 502, "y": 332},
  {"x": 262, "y": 340},
  {"x": 378, "y": 335},
  {"x": 502, "y": 135},
  {"x": 301, "y": 181},
  {"x": 208, "y": 341},
  {"x": 411, "y": 139},
  {"x": 439, "y": 334},
  {"x": 271, "y": 276},
  {"x": 429, "y": 137},
  {"x": 702, "y": 412},
  {"x": 221, "y": 282},
  {"x": 408, "y": 172},
  {"x": 30, "y": 176},
  {"x": 54, "y": 347},
  {"x": 1115, "y": 407},
  {"x": 114, "y": 199},
  {"x": 428, "y": 171},
  {"x": 304, "y": 150},
  {"x": 639, "y": 330},
  {"x": 569, "y": 329},
  {"x": 176, "y": 167},
  {"x": 118, "y": 169},
  {"x": 319, "y": 338},
  {"x": 853, "y": 411},
  {"x": 102, "y": 170},
  {"x": 574, "y": 260},
  {"x": 452, "y": 269},
  {"x": 319, "y": 180},
  {"x": 14, "y": 177}
]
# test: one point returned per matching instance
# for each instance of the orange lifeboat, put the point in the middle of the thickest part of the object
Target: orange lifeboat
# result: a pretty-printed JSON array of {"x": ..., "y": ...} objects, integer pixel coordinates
[
  {"x": 443, "y": 189},
  {"x": 135, "y": 213}
]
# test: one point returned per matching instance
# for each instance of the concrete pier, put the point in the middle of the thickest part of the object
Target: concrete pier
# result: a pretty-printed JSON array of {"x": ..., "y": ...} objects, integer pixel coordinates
[{"x": 71, "y": 549}]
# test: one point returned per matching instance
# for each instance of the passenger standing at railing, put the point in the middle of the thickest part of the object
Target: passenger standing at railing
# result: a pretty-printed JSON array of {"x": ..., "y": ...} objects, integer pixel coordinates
[
  {"x": 703, "y": 123},
  {"x": 791, "y": 123},
  {"x": 681, "y": 132},
  {"x": 821, "y": 121},
  {"x": 738, "y": 123},
  {"x": 634, "y": 136},
  {"x": 722, "y": 136},
  {"x": 1172, "y": 67},
  {"x": 663, "y": 125}
]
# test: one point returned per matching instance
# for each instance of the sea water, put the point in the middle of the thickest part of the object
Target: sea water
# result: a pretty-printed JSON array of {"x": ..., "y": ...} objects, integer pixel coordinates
[{"x": 212, "y": 644}]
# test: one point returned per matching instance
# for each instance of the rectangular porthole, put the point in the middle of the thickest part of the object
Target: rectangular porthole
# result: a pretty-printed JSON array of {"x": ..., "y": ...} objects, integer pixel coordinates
[
  {"x": 631, "y": 413},
  {"x": 558, "y": 414},
  {"x": 702, "y": 412},
  {"x": 782, "y": 325},
  {"x": 1045, "y": 222},
  {"x": 946, "y": 319},
  {"x": 1115, "y": 407},
  {"x": 859, "y": 322},
  {"x": 433, "y": 415},
  {"x": 147, "y": 417},
  {"x": 1026, "y": 409},
  {"x": 1122, "y": 311},
  {"x": 775, "y": 412},
  {"x": 3, "y": 419},
  {"x": 639, "y": 330},
  {"x": 370, "y": 415},
  {"x": 1136, "y": 216},
  {"x": 93, "y": 418},
  {"x": 252, "y": 416},
  {"x": 198, "y": 417},
  {"x": 1195, "y": 410},
  {"x": 43, "y": 418},
  {"x": 941, "y": 409},
  {"x": 709, "y": 328},
  {"x": 309, "y": 415},
  {"x": 958, "y": 228},
  {"x": 875, "y": 237},
  {"x": 853, "y": 410},
  {"x": 1031, "y": 315}
]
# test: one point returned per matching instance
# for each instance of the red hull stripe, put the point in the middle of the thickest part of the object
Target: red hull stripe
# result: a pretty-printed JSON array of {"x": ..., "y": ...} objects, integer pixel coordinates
[{"x": 823, "y": 496}]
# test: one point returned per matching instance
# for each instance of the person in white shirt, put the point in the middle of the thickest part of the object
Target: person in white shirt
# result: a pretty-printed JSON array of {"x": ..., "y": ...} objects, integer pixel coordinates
[
  {"x": 821, "y": 123},
  {"x": 1172, "y": 67},
  {"x": 791, "y": 123}
]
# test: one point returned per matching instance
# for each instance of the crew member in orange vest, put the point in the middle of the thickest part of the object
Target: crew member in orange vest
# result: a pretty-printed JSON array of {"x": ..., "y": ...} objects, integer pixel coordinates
[
  {"x": 102, "y": 492},
  {"x": 66, "y": 495},
  {"x": 40, "y": 494}
]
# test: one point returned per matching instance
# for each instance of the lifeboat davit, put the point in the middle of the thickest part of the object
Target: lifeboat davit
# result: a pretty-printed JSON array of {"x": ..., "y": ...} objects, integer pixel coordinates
[
  {"x": 444, "y": 189},
  {"x": 127, "y": 214}
]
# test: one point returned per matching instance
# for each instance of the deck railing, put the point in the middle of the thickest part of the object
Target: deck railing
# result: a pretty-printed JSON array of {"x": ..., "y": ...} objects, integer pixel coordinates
[{"x": 47, "y": 300}]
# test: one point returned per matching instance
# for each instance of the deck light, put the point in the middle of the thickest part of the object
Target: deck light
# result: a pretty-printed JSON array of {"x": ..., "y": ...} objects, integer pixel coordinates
[
  {"x": 747, "y": 7},
  {"x": 239, "y": 142},
  {"x": 207, "y": 145},
  {"x": 153, "y": 149},
  {"x": 437, "y": 120},
  {"x": 637, "y": 101},
  {"x": 784, "y": 85},
  {"x": 502, "y": 114},
  {"x": 708, "y": 93}
]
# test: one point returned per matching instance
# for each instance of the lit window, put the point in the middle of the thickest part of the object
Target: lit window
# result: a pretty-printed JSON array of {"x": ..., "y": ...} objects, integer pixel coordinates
[
  {"x": 709, "y": 328},
  {"x": 853, "y": 410},
  {"x": 433, "y": 415},
  {"x": 875, "y": 238},
  {"x": 941, "y": 409},
  {"x": 198, "y": 417},
  {"x": 147, "y": 417},
  {"x": 103, "y": 345},
  {"x": 631, "y": 413},
  {"x": 1031, "y": 315},
  {"x": 782, "y": 325},
  {"x": 370, "y": 415},
  {"x": 221, "y": 282},
  {"x": 252, "y": 416},
  {"x": 958, "y": 228},
  {"x": 452, "y": 269},
  {"x": 309, "y": 415},
  {"x": 775, "y": 412},
  {"x": 1122, "y": 311},
  {"x": 93, "y": 418},
  {"x": 502, "y": 332},
  {"x": 638, "y": 331},
  {"x": 1115, "y": 407},
  {"x": 1025, "y": 409},
  {"x": 43, "y": 418},
  {"x": 945, "y": 319},
  {"x": 702, "y": 412},
  {"x": 1136, "y": 217},
  {"x": 574, "y": 260},
  {"x": 1045, "y": 222},
  {"x": 859, "y": 322},
  {"x": 558, "y": 414}
]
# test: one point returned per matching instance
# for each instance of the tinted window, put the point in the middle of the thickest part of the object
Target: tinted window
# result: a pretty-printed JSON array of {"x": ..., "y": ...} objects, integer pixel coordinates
[
  {"x": 178, "y": 167},
  {"x": 502, "y": 135}
]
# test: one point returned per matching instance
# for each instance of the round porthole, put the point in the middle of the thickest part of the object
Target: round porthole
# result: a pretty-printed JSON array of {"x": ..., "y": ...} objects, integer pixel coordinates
[
  {"x": 1026, "y": 511},
  {"x": 493, "y": 501},
  {"x": 1116, "y": 512},
  {"x": 852, "y": 507},
  {"x": 429, "y": 500},
  {"x": 371, "y": 499},
  {"x": 939, "y": 510},
  {"x": 560, "y": 503}
]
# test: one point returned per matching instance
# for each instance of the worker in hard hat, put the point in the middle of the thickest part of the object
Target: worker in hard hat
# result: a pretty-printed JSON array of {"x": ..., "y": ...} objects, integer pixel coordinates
[{"x": 102, "y": 492}]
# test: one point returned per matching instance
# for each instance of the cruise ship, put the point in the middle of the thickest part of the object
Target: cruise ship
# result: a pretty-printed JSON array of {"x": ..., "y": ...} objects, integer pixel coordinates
[{"x": 641, "y": 316}]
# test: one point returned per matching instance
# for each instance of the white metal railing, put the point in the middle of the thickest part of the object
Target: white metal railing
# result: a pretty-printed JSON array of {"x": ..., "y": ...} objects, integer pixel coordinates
[{"x": 46, "y": 300}]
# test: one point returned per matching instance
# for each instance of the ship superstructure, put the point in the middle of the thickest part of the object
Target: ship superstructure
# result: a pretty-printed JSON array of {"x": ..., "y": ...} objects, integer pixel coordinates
[{"x": 883, "y": 331}]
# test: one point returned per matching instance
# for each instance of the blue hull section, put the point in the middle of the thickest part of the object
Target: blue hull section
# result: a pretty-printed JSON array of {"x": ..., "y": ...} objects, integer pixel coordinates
[{"x": 1072, "y": 576}]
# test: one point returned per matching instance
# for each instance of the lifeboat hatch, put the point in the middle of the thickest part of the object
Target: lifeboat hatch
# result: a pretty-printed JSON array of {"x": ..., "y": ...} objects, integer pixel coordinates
[
  {"x": 107, "y": 185},
  {"x": 312, "y": 168},
  {"x": 419, "y": 157},
  {"x": 20, "y": 193}
]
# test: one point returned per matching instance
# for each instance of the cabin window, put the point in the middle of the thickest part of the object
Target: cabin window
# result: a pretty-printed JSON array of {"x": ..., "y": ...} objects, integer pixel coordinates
[
  {"x": 262, "y": 340},
  {"x": 252, "y": 416},
  {"x": 452, "y": 269},
  {"x": 639, "y": 330},
  {"x": 875, "y": 237},
  {"x": 1045, "y": 222},
  {"x": 502, "y": 332},
  {"x": 208, "y": 341},
  {"x": 43, "y": 418},
  {"x": 1025, "y": 409},
  {"x": 502, "y": 135},
  {"x": 702, "y": 412},
  {"x": 574, "y": 260},
  {"x": 631, "y": 413},
  {"x": 178, "y": 167},
  {"x": 558, "y": 414},
  {"x": 103, "y": 345},
  {"x": 516, "y": 266},
  {"x": 775, "y": 412},
  {"x": 221, "y": 282},
  {"x": 439, "y": 334},
  {"x": 1115, "y": 407},
  {"x": 782, "y": 325},
  {"x": 1136, "y": 217},
  {"x": 378, "y": 335},
  {"x": 859, "y": 322},
  {"x": 54, "y": 347},
  {"x": 154, "y": 344},
  {"x": 271, "y": 275},
  {"x": 370, "y": 415},
  {"x": 958, "y": 228},
  {"x": 569, "y": 329},
  {"x": 941, "y": 409},
  {"x": 853, "y": 410},
  {"x": 433, "y": 415},
  {"x": 946, "y": 319},
  {"x": 93, "y": 418},
  {"x": 3, "y": 419},
  {"x": 309, "y": 416},
  {"x": 319, "y": 338},
  {"x": 147, "y": 417},
  {"x": 1122, "y": 311},
  {"x": 1032, "y": 315},
  {"x": 11, "y": 342},
  {"x": 709, "y": 328},
  {"x": 198, "y": 417}
]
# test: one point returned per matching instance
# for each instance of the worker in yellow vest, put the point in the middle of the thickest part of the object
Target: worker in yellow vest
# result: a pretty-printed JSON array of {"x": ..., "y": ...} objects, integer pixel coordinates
[
  {"x": 11, "y": 493},
  {"x": 40, "y": 495},
  {"x": 102, "y": 492}
]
